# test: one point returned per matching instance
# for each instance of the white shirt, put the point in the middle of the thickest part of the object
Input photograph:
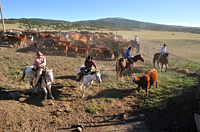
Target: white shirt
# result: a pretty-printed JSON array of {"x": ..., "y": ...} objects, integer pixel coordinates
[
  {"x": 163, "y": 50},
  {"x": 136, "y": 39}
]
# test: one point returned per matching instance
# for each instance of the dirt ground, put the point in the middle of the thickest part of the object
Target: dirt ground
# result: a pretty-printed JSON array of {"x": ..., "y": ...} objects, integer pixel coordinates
[{"x": 29, "y": 112}]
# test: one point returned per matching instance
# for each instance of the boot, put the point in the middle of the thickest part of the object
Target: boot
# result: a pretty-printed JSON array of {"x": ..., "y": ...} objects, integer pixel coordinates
[
  {"x": 79, "y": 76},
  {"x": 39, "y": 73}
]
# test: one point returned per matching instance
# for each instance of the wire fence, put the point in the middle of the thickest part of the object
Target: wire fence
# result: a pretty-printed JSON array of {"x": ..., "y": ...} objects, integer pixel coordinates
[{"x": 174, "y": 60}]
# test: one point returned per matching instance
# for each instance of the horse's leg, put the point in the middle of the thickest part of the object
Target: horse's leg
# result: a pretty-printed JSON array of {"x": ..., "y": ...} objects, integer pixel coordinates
[
  {"x": 90, "y": 84},
  {"x": 49, "y": 88},
  {"x": 45, "y": 90},
  {"x": 165, "y": 67},
  {"x": 161, "y": 67},
  {"x": 121, "y": 72},
  {"x": 83, "y": 85},
  {"x": 129, "y": 70}
]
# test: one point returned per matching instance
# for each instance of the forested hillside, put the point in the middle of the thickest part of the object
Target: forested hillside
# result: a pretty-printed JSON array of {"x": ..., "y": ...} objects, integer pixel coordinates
[{"x": 100, "y": 24}]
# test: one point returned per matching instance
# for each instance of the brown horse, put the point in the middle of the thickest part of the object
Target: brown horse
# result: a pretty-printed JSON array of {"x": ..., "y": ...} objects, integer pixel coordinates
[
  {"x": 122, "y": 64},
  {"x": 163, "y": 60}
]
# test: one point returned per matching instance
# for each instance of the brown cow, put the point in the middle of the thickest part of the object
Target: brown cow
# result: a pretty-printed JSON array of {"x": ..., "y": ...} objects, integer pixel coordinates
[
  {"x": 104, "y": 48},
  {"x": 83, "y": 51},
  {"x": 13, "y": 39},
  {"x": 72, "y": 49},
  {"x": 96, "y": 51},
  {"x": 146, "y": 80},
  {"x": 24, "y": 39}
]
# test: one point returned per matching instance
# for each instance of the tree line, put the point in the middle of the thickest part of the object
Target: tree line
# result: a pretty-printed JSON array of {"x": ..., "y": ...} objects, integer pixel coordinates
[{"x": 46, "y": 24}]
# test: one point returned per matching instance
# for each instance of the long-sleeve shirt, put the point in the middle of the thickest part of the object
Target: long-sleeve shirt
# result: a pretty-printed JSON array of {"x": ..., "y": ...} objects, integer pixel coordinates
[
  {"x": 40, "y": 61},
  {"x": 127, "y": 54},
  {"x": 89, "y": 64},
  {"x": 136, "y": 39},
  {"x": 163, "y": 50}
]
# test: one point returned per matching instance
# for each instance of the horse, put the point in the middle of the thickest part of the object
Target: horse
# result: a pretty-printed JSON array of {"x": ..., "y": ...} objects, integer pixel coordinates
[
  {"x": 121, "y": 64},
  {"x": 135, "y": 45},
  {"x": 163, "y": 60},
  {"x": 44, "y": 83},
  {"x": 88, "y": 79}
]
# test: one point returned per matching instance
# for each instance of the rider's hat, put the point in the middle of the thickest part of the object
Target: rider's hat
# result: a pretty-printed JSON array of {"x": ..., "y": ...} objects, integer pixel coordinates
[
  {"x": 39, "y": 53},
  {"x": 129, "y": 48},
  {"x": 89, "y": 58},
  {"x": 164, "y": 45}
]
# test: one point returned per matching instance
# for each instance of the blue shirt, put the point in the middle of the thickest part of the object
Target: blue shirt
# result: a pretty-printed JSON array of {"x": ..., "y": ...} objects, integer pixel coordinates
[{"x": 127, "y": 54}]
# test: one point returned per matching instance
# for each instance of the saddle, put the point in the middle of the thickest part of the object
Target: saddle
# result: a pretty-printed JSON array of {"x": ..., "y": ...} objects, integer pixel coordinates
[{"x": 83, "y": 72}]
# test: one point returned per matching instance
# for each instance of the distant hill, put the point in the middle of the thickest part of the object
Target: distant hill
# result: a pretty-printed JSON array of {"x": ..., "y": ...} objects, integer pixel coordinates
[
  {"x": 99, "y": 24},
  {"x": 127, "y": 22}
]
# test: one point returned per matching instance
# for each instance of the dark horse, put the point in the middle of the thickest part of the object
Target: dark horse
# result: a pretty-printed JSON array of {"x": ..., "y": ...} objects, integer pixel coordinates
[
  {"x": 122, "y": 64},
  {"x": 135, "y": 45},
  {"x": 163, "y": 60}
]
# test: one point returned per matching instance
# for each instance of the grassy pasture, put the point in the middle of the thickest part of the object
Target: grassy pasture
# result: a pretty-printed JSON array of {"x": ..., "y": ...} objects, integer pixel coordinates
[{"x": 174, "y": 96}]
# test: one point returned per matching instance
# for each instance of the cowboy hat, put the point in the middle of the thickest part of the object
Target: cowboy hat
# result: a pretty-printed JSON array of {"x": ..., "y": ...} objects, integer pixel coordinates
[
  {"x": 89, "y": 58},
  {"x": 164, "y": 45},
  {"x": 39, "y": 53}
]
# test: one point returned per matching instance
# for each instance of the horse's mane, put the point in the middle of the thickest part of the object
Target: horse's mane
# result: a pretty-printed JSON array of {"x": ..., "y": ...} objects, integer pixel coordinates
[{"x": 93, "y": 72}]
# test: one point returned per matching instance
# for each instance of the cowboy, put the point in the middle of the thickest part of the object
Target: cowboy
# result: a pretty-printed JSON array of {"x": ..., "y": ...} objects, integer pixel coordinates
[
  {"x": 136, "y": 39},
  {"x": 162, "y": 50},
  {"x": 128, "y": 56},
  {"x": 39, "y": 65},
  {"x": 89, "y": 62}
]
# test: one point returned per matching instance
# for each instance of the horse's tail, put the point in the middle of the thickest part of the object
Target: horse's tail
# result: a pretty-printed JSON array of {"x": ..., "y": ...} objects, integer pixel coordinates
[
  {"x": 23, "y": 75},
  {"x": 154, "y": 59}
]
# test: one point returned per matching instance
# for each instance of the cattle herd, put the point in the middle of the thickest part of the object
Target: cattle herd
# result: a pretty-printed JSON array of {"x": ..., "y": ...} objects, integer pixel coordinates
[{"x": 97, "y": 44}]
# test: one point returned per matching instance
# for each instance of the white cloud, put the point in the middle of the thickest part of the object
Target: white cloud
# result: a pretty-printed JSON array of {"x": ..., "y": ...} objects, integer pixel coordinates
[{"x": 183, "y": 24}]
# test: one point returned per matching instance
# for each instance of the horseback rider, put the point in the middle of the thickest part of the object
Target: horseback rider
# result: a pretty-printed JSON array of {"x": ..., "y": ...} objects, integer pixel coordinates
[
  {"x": 89, "y": 62},
  {"x": 128, "y": 56},
  {"x": 136, "y": 39},
  {"x": 39, "y": 65},
  {"x": 162, "y": 51}
]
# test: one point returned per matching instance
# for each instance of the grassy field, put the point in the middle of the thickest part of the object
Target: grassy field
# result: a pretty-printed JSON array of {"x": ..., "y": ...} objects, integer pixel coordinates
[{"x": 169, "y": 107}]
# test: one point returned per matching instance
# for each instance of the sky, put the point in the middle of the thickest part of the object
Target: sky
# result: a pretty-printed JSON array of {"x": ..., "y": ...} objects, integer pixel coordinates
[{"x": 170, "y": 12}]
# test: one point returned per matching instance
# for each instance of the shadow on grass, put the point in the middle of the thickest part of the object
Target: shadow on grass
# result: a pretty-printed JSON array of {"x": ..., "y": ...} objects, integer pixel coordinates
[
  {"x": 66, "y": 77},
  {"x": 28, "y": 96},
  {"x": 112, "y": 93}
]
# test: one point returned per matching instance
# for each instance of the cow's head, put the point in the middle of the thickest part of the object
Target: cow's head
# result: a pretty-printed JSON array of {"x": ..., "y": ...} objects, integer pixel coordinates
[{"x": 133, "y": 80}]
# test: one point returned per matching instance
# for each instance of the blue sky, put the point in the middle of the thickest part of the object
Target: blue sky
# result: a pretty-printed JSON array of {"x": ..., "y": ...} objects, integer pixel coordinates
[{"x": 173, "y": 12}]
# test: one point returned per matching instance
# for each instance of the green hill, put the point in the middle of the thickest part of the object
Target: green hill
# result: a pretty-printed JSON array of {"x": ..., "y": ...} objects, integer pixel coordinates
[{"x": 99, "y": 24}]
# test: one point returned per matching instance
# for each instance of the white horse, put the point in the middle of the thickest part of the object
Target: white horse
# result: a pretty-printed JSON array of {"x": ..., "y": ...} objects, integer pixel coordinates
[
  {"x": 88, "y": 80},
  {"x": 44, "y": 84}
]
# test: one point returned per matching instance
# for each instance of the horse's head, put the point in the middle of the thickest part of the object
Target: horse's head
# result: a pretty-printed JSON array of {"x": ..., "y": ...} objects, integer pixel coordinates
[
  {"x": 97, "y": 75},
  {"x": 138, "y": 57},
  {"x": 49, "y": 75},
  {"x": 167, "y": 55}
]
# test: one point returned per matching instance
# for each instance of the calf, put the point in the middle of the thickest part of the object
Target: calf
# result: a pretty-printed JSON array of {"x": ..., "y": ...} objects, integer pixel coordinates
[
  {"x": 14, "y": 39},
  {"x": 72, "y": 49},
  {"x": 83, "y": 51},
  {"x": 96, "y": 51},
  {"x": 146, "y": 80}
]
